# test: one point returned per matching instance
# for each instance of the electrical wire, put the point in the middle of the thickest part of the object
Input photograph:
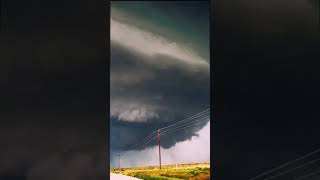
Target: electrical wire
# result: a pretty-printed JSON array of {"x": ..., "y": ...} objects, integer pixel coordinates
[
  {"x": 194, "y": 119},
  {"x": 308, "y": 175},
  {"x": 187, "y": 119},
  {"x": 284, "y": 165},
  {"x": 201, "y": 119},
  {"x": 182, "y": 128},
  {"x": 290, "y": 170}
]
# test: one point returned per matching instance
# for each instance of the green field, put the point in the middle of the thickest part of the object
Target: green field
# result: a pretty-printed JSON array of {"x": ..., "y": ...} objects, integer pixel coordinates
[{"x": 193, "y": 171}]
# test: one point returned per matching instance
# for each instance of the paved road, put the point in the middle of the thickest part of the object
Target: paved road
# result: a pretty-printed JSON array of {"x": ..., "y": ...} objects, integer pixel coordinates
[{"x": 121, "y": 177}]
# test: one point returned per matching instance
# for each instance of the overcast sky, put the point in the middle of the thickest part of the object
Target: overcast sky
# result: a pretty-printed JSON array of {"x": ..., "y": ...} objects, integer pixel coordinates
[{"x": 160, "y": 74}]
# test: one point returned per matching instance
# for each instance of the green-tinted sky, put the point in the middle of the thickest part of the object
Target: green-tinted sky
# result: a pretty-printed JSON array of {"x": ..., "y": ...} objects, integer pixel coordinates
[{"x": 183, "y": 22}]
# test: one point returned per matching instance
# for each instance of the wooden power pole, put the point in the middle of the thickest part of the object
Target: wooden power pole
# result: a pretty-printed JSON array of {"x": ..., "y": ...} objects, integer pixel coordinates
[
  {"x": 159, "y": 148},
  {"x": 119, "y": 163}
]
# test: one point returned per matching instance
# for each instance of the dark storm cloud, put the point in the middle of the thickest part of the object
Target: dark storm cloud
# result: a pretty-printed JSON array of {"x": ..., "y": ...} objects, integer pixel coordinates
[
  {"x": 185, "y": 22},
  {"x": 53, "y": 91},
  {"x": 171, "y": 93},
  {"x": 156, "y": 78}
]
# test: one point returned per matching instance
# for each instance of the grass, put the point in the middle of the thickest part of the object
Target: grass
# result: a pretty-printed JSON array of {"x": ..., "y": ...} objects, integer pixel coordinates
[{"x": 193, "y": 171}]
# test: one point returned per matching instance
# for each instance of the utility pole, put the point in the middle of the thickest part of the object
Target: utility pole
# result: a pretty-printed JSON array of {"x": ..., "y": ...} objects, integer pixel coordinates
[
  {"x": 159, "y": 148},
  {"x": 119, "y": 162}
]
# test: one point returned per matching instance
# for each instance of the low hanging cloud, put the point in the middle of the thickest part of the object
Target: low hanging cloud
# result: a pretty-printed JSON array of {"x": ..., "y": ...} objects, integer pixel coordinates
[
  {"x": 133, "y": 111},
  {"x": 181, "y": 152}
]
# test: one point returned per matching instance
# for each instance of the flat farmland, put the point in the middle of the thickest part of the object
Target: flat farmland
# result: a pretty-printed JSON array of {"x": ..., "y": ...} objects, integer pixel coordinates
[{"x": 192, "y": 171}]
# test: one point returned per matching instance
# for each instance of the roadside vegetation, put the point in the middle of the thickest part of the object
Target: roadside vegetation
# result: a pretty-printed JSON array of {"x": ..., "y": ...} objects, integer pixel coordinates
[{"x": 194, "y": 171}]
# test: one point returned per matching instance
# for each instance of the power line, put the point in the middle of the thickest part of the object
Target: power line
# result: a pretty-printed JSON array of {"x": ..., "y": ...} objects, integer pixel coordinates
[
  {"x": 284, "y": 165},
  {"x": 182, "y": 128},
  {"x": 193, "y": 120},
  {"x": 183, "y": 124},
  {"x": 150, "y": 136},
  {"x": 308, "y": 175},
  {"x": 176, "y": 127},
  {"x": 146, "y": 139},
  {"x": 169, "y": 132},
  {"x": 187, "y": 119},
  {"x": 149, "y": 141},
  {"x": 196, "y": 120},
  {"x": 173, "y": 130},
  {"x": 290, "y": 170}
]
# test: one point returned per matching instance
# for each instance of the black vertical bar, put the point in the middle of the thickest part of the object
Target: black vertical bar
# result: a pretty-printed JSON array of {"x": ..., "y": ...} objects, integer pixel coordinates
[
  {"x": 3, "y": 14},
  {"x": 318, "y": 15},
  {"x": 107, "y": 52}
]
